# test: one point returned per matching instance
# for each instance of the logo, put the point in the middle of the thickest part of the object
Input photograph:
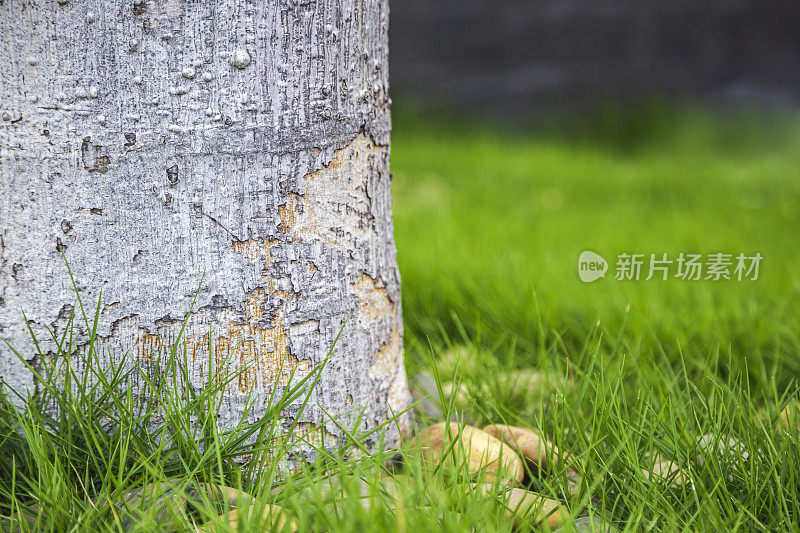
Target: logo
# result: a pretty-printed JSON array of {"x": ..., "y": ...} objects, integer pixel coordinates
[
  {"x": 684, "y": 266},
  {"x": 591, "y": 266}
]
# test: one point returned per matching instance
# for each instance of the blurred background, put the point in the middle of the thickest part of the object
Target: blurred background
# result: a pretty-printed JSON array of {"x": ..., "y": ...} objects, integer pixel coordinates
[
  {"x": 527, "y": 131},
  {"x": 512, "y": 55}
]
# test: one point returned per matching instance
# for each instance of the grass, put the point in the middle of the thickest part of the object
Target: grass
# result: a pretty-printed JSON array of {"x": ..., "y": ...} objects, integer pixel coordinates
[
  {"x": 490, "y": 223},
  {"x": 490, "y": 220}
]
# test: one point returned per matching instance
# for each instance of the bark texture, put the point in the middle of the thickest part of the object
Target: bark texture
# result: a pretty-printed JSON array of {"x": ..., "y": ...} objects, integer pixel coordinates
[{"x": 157, "y": 141}]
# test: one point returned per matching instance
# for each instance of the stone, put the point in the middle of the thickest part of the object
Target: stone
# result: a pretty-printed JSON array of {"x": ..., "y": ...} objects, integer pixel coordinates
[
  {"x": 537, "y": 450},
  {"x": 168, "y": 498},
  {"x": 523, "y": 382},
  {"x": 220, "y": 494},
  {"x": 275, "y": 517},
  {"x": 529, "y": 509},
  {"x": 22, "y": 515},
  {"x": 588, "y": 524},
  {"x": 731, "y": 453},
  {"x": 459, "y": 358},
  {"x": 426, "y": 396},
  {"x": 667, "y": 470},
  {"x": 790, "y": 416},
  {"x": 163, "y": 496},
  {"x": 574, "y": 481},
  {"x": 729, "y": 449},
  {"x": 533, "y": 508},
  {"x": 530, "y": 444},
  {"x": 476, "y": 449},
  {"x": 338, "y": 489},
  {"x": 457, "y": 392}
]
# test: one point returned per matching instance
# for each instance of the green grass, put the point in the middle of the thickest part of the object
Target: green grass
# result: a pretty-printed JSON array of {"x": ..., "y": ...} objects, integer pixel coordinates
[{"x": 489, "y": 223}]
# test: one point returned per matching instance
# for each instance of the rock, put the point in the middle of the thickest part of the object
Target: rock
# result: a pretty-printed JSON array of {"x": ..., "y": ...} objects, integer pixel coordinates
[
  {"x": 273, "y": 516},
  {"x": 424, "y": 391},
  {"x": 26, "y": 515},
  {"x": 523, "y": 381},
  {"x": 426, "y": 396},
  {"x": 529, "y": 509},
  {"x": 790, "y": 416},
  {"x": 533, "y": 508},
  {"x": 728, "y": 449},
  {"x": 167, "y": 498},
  {"x": 588, "y": 524},
  {"x": 394, "y": 464},
  {"x": 530, "y": 444},
  {"x": 532, "y": 384},
  {"x": 220, "y": 494},
  {"x": 172, "y": 497},
  {"x": 540, "y": 454},
  {"x": 163, "y": 496},
  {"x": 339, "y": 487},
  {"x": 730, "y": 452},
  {"x": 573, "y": 481},
  {"x": 667, "y": 470},
  {"x": 456, "y": 391},
  {"x": 460, "y": 357},
  {"x": 476, "y": 449}
]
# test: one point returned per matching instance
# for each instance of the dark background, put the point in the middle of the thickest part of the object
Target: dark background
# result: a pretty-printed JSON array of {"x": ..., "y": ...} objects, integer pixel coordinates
[{"x": 509, "y": 55}]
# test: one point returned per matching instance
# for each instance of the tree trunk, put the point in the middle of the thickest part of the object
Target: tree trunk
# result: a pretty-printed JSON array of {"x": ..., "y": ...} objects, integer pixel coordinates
[{"x": 155, "y": 142}]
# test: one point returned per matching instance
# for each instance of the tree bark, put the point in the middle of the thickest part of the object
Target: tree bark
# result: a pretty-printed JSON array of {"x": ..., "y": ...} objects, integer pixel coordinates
[{"x": 155, "y": 142}]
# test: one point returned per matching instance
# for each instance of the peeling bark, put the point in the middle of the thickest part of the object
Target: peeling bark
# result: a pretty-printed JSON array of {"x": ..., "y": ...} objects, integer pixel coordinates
[{"x": 154, "y": 141}]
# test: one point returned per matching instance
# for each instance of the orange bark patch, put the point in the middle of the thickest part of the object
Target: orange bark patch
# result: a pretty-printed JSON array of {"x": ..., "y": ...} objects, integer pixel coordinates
[
  {"x": 387, "y": 357},
  {"x": 256, "y": 250},
  {"x": 259, "y": 351},
  {"x": 149, "y": 346},
  {"x": 336, "y": 207},
  {"x": 373, "y": 302}
]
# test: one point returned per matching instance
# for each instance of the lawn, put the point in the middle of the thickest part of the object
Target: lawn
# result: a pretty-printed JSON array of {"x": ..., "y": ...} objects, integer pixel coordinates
[
  {"x": 621, "y": 376},
  {"x": 490, "y": 221}
]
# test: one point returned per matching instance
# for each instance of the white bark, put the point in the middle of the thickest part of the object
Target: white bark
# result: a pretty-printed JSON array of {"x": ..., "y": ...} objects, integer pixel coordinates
[{"x": 154, "y": 141}]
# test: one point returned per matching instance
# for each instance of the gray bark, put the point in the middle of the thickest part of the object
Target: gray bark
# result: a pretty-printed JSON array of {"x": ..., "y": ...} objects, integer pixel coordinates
[{"x": 157, "y": 141}]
